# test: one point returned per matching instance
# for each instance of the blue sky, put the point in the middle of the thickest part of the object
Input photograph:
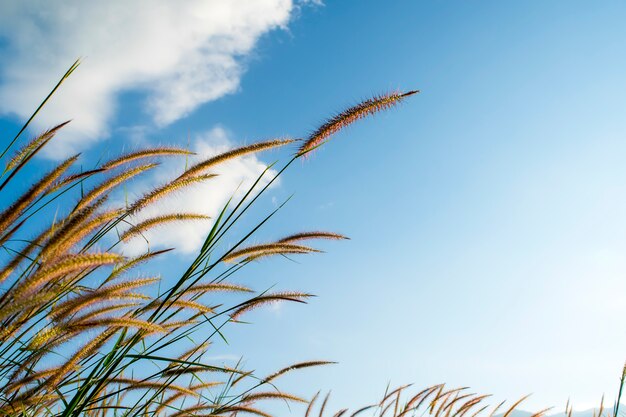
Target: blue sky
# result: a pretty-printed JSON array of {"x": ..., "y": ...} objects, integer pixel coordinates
[{"x": 486, "y": 214}]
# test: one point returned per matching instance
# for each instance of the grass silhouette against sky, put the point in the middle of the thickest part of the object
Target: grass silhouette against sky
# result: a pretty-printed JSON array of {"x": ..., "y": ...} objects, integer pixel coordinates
[{"x": 486, "y": 217}]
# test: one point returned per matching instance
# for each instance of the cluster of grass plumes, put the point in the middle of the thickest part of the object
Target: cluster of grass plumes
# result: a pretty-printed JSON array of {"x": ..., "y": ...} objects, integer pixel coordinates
[
  {"x": 82, "y": 332},
  {"x": 441, "y": 401},
  {"x": 436, "y": 401}
]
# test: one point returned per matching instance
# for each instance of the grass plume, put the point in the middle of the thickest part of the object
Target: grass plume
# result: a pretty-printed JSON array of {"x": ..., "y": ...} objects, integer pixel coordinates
[
  {"x": 339, "y": 121},
  {"x": 148, "y": 224}
]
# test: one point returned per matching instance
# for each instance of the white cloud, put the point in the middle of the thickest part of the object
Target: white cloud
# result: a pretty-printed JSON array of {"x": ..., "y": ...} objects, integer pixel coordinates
[
  {"x": 235, "y": 177},
  {"x": 181, "y": 54}
]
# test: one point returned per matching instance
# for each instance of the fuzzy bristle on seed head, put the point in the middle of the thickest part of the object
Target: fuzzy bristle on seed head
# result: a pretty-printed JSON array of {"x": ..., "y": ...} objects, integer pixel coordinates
[{"x": 350, "y": 115}]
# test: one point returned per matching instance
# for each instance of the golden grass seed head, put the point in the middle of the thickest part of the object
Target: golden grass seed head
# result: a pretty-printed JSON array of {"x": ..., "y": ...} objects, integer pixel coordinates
[
  {"x": 202, "y": 347},
  {"x": 249, "y": 410},
  {"x": 65, "y": 265},
  {"x": 9, "y": 215},
  {"x": 69, "y": 179},
  {"x": 106, "y": 309},
  {"x": 310, "y": 406},
  {"x": 213, "y": 287},
  {"x": 24, "y": 254},
  {"x": 166, "y": 402},
  {"x": 368, "y": 407},
  {"x": 265, "y": 299},
  {"x": 167, "y": 189},
  {"x": 480, "y": 410},
  {"x": 312, "y": 235},
  {"x": 204, "y": 385},
  {"x": 450, "y": 406},
  {"x": 385, "y": 409},
  {"x": 272, "y": 395},
  {"x": 201, "y": 167},
  {"x": 104, "y": 294},
  {"x": 175, "y": 325},
  {"x": 123, "y": 322},
  {"x": 420, "y": 399},
  {"x": 180, "y": 303},
  {"x": 28, "y": 404},
  {"x": 257, "y": 251},
  {"x": 471, "y": 404},
  {"x": 295, "y": 366},
  {"x": 193, "y": 410},
  {"x": 67, "y": 229},
  {"x": 512, "y": 408},
  {"x": 495, "y": 409},
  {"x": 89, "y": 227},
  {"x": 43, "y": 336},
  {"x": 148, "y": 224},
  {"x": 32, "y": 145},
  {"x": 22, "y": 306},
  {"x": 341, "y": 412},
  {"x": 134, "y": 384},
  {"x": 136, "y": 261},
  {"x": 350, "y": 115},
  {"x": 324, "y": 403},
  {"x": 197, "y": 369},
  {"x": 37, "y": 376},
  {"x": 86, "y": 350},
  {"x": 145, "y": 153},
  {"x": 394, "y": 392},
  {"x": 541, "y": 412},
  {"x": 109, "y": 184}
]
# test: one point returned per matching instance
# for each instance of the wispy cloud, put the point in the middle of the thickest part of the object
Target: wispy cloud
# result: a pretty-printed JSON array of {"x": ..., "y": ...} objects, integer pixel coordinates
[
  {"x": 181, "y": 54},
  {"x": 223, "y": 358},
  {"x": 234, "y": 178}
]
